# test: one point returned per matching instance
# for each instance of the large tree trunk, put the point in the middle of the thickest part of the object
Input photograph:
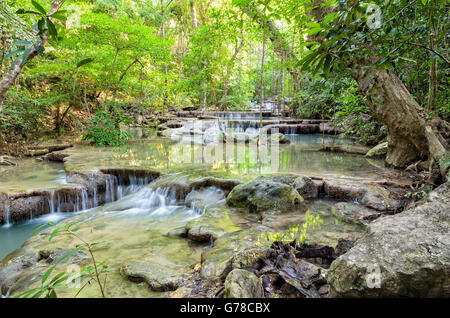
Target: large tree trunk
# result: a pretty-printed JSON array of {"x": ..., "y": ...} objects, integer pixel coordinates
[
  {"x": 411, "y": 135},
  {"x": 10, "y": 77}
]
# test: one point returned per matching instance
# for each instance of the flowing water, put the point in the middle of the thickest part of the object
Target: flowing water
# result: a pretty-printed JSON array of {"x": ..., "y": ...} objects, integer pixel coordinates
[
  {"x": 12, "y": 236},
  {"x": 137, "y": 219}
]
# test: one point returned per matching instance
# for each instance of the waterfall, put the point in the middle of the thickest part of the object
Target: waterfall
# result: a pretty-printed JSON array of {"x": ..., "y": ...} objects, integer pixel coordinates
[
  {"x": 51, "y": 201},
  {"x": 7, "y": 212}
]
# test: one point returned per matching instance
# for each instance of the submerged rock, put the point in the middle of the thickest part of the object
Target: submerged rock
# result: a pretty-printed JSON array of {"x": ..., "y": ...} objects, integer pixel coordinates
[
  {"x": 404, "y": 255},
  {"x": 243, "y": 284},
  {"x": 352, "y": 213},
  {"x": 378, "y": 151},
  {"x": 262, "y": 194},
  {"x": 210, "y": 226}
]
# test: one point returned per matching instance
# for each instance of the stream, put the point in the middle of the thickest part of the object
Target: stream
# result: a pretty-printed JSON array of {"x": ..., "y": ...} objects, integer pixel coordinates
[{"x": 137, "y": 218}]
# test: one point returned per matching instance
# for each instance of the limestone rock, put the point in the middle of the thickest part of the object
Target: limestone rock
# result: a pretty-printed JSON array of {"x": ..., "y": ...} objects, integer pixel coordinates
[
  {"x": 404, "y": 255},
  {"x": 378, "y": 151},
  {"x": 243, "y": 284},
  {"x": 352, "y": 213},
  {"x": 158, "y": 277},
  {"x": 262, "y": 194}
]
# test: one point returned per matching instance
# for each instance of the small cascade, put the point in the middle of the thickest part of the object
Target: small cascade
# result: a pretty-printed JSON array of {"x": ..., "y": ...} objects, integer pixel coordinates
[
  {"x": 52, "y": 202},
  {"x": 200, "y": 199},
  {"x": 7, "y": 216},
  {"x": 82, "y": 198}
]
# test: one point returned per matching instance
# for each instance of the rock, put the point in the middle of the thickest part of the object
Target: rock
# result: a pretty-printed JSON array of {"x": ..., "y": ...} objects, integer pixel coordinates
[
  {"x": 278, "y": 138},
  {"x": 352, "y": 149},
  {"x": 404, "y": 255},
  {"x": 372, "y": 196},
  {"x": 262, "y": 194},
  {"x": 182, "y": 292},
  {"x": 378, "y": 151},
  {"x": 247, "y": 257},
  {"x": 57, "y": 156},
  {"x": 218, "y": 261},
  {"x": 7, "y": 161},
  {"x": 304, "y": 185},
  {"x": 243, "y": 284},
  {"x": 352, "y": 213},
  {"x": 157, "y": 276},
  {"x": 344, "y": 245}
]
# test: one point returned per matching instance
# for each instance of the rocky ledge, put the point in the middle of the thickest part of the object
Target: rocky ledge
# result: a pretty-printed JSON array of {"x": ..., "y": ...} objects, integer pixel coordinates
[{"x": 404, "y": 255}]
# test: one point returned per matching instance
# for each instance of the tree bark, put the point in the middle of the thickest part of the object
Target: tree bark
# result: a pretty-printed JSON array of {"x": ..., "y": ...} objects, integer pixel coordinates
[
  {"x": 411, "y": 136},
  {"x": 10, "y": 77},
  {"x": 193, "y": 14}
]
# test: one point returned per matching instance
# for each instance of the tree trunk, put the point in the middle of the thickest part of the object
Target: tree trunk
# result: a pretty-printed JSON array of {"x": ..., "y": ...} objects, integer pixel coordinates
[
  {"x": 411, "y": 136},
  {"x": 261, "y": 96},
  {"x": 10, "y": 77},
  {"x": 193, "y": 14}
]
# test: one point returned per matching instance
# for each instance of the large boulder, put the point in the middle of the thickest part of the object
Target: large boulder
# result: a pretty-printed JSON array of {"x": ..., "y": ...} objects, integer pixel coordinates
[
  {"x": 243, "y": 284},
  {"x": 262, "y": 194},
  {"x": 378, "y": 151},
  {"x": 404, "y": 255}
]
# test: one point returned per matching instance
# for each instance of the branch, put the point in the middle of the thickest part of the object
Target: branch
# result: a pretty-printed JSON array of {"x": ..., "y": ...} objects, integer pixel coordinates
[{"x": 431, "y": 50}]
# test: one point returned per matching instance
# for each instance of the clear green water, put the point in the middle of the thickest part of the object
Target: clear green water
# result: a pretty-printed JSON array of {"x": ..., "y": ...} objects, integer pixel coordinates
[
  {"x": 32, "y": 174},
  {"x": 235, "y": 160},
  {"x": 137, "y": 225}
]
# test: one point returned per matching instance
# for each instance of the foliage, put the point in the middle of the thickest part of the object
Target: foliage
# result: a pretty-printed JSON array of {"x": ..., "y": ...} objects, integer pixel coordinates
[
  {"x": 104, "y": 129},
  {"x": 298, "y": 232},
  {"x": 92, "y": 273}
]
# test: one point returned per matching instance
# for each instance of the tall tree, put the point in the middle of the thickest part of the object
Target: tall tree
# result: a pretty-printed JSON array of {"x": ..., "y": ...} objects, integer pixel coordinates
[{"x": 46, "y": 30}]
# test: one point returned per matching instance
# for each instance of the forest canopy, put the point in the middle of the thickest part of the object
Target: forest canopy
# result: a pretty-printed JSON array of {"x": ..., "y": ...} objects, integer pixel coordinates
[{"x": 140, "y": 56}]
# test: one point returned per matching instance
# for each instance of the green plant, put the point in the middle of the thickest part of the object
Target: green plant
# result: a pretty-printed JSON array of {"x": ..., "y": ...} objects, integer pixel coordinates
[
  {"x": 419, "y": 193},
  {"x": 104, "y": 129},
  {"x": 298, "y": 232},
  {"x": 89, "y": 274}
]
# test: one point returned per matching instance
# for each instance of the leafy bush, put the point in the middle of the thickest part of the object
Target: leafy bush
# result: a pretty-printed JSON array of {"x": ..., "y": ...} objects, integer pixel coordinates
[
  {"x": 104, "y": 128},
  {"x": 23, "y": 113}
]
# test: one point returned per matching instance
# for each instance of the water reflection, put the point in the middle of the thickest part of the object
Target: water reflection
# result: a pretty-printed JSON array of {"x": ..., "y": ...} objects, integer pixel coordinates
[{"x": 229, "y": 159}]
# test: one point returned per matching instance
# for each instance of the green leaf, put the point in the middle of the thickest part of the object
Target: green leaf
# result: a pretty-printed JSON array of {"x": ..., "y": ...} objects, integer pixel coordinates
[
  {"x": 22, "y": 11},
  {"x": 40, "y": 227},
  {"x": 39, "y": 7},
  {"x": 39, "y": 48},
  {"x": 13, "y": 53},
  {"x": 41, "y": 26},
  {"x": 21, "y": 42},
  {"x": 84, "y": 62},
  {"x": 51, "y": 28},
  {"x": 51, "y": 269},
  {"x": 47, "y": 274}
]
